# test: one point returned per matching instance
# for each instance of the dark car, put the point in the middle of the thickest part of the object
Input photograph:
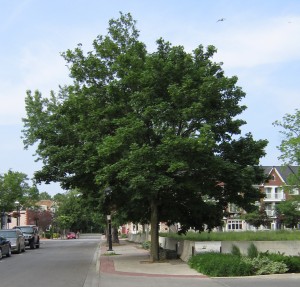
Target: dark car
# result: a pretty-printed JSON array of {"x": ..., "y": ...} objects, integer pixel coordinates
[
  {"x": 71, "y": 235},
  {"x": 16, "y": 238},
  {"x": 5, "y": 248},
  {"x": 31, "y": 234}
]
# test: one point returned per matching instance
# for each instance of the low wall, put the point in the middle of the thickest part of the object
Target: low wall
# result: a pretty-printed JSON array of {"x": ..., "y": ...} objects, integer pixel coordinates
[
  {"x": 185, "y": 248},
  {"x": 288, "y": 247}
]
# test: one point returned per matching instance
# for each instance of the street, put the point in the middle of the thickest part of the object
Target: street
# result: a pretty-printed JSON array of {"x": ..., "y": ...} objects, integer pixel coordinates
[
  {"x": 71, "y": 263},
  {"x": 56, "y": 263}
]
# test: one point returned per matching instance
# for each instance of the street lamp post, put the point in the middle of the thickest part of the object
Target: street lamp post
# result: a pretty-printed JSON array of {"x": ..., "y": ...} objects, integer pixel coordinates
[
  {"x": 17, "y": 203},
  {"x": 2, "y": 218},
  {"x": 109, "y": 233}
]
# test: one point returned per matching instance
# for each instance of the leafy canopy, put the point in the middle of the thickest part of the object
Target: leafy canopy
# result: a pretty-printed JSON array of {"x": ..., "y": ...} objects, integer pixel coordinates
[{"x": 159, "y": 130}]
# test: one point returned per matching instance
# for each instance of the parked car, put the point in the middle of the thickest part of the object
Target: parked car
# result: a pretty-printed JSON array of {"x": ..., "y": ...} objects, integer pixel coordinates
[
  {"x": 71, "y": 235},
  {"x": 31, "y": 234},
  {"x": 16, "y": 238},
  {"x": 5, "y": 248}
]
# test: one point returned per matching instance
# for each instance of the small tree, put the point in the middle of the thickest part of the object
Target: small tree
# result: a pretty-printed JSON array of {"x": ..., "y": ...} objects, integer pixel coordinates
[
  {"x": 257, "y": 218},
  {"x": 289, "y": 212},
  {"x": 290, "y": 145}
]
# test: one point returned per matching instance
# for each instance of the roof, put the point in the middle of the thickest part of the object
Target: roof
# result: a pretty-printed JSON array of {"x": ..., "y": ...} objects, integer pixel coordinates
[{"x": 284, "y": 171}]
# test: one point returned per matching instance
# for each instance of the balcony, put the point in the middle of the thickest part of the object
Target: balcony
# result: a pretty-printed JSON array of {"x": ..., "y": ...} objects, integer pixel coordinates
[{"x": 274, "y": 197}]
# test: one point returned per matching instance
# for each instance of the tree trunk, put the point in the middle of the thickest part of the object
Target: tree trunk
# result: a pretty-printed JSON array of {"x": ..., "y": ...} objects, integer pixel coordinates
[
  {"x": 115, "y": 235},
  {"x": 154, "y": 251}
]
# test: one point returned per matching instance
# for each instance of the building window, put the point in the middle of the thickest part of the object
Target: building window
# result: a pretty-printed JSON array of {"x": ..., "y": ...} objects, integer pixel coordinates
[
  {"x": 268, "y": 191},
  {"x": 234, "y": 225},
  {"x": 273, "y": 177}
]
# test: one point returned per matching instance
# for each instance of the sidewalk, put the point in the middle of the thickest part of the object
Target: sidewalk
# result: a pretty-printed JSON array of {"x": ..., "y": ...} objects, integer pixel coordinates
[{"x": 130, "y": 259}]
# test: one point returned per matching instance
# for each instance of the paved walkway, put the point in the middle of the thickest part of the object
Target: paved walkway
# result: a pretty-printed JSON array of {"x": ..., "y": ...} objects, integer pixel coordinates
[{"x": 130, "y": 259}]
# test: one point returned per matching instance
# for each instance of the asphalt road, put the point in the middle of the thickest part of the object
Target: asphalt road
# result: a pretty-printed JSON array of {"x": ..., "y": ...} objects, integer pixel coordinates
[
  {"x": 59, "y": 263},
  {"x": 72, "y": 263}
]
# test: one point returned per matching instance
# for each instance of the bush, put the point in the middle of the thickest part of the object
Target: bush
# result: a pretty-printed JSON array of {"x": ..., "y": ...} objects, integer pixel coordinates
[
  {"x": 146, "y": 245},
  {"x": 292, "y": 262},
  {"x": 220, "y": 265},
  {"x": 56, "y": 235},
  {"x": 263, "y": 265},
  {"x": 48, "y": 235},
  {"x": 235, "y": 251},
  {"x": 252, "y": 251}
]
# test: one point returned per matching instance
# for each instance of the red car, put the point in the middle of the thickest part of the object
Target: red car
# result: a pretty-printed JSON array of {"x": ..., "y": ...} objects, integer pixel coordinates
[{"x": 71, "y": 235}]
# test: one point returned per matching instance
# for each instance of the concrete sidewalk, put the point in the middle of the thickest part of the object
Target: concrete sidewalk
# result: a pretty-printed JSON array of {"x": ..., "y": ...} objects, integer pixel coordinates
[{"x": 130, "y": 259}]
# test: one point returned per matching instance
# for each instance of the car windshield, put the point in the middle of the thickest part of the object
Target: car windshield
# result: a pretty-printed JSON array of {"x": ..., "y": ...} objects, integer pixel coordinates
[
  {"x": 8, "y": 234},
  {"x": 26, "y": 229}
]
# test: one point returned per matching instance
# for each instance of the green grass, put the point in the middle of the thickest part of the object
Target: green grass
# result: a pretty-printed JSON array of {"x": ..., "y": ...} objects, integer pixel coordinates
[{"x": 280, "y": 235}]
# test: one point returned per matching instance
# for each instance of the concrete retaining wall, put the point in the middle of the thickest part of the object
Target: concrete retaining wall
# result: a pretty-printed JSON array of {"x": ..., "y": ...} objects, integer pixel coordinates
[
  {"x": 290, "y": 247},
  {"x": 185, "y": 248}
]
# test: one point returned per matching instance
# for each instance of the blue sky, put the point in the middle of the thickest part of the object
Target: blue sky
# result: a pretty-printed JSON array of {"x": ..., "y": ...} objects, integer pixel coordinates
[{"x": 258, "y": 41}]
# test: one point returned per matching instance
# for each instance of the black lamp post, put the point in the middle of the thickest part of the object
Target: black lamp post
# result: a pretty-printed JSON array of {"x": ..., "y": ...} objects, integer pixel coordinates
[
  {"x": 18, "y": 212},
  {"x": 109, "y": 233},
  {"x": 2, "y": 218}
]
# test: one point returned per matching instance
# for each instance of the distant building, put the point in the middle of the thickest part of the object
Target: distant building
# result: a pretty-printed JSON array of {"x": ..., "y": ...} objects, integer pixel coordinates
[{"x": 275, "y": 192}]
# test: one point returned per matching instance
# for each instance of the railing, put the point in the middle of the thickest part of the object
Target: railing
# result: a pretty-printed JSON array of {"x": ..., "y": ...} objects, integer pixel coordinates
[{"x": 274, "y": 197}]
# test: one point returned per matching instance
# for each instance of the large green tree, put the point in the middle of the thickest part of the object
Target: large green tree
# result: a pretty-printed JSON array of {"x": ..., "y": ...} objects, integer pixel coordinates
[
  {"x": 290, "y": 144},
  {"x": 150, "y": 136}
]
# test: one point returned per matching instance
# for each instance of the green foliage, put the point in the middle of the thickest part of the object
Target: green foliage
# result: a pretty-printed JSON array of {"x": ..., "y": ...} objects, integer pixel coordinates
[
  {"x": 257, "y": 217},
  {"x": 14, "y": 187},
  {"x": 262, "y": 265},
  {"x": 47, "y": 235},
  {"x": 292, "y": 262},
  {"x": 289, "y": 147},
  {"x": 288, "y": 211},
  {"x": 226, "y": 265},
  {"x": 252, "y": 251},
  {"x": 235, "y": 250},
  {"x": 45, "y": 196},
  {"x": 75, "y": 213},
  {"x": 146, "y": 245},
  {"x": 160, "y": 129},
  {"x": 220, "y": 265}
]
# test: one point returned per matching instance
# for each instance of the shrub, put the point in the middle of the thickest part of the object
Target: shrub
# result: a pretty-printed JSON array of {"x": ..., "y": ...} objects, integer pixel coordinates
[
  {"x": 56, "y": 235},
  {"x": 48, "y": 235},
  {"x": 235, "y": 251},
  {"x": 220, "y": 265},
  {"x": 263, "y": 265},
  {"x": 252, "y": 251},
  {"x": 146, "y": 245},
  {"x": 292, "y": 262}
]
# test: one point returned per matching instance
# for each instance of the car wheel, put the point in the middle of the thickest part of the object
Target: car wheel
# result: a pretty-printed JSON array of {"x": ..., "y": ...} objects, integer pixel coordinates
[
  {"x": 9, "y": 252},
  {"x": 19, "y": 249},
  {"x": 32, "y": 245},
  {"x": 0, "y": 253}
]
